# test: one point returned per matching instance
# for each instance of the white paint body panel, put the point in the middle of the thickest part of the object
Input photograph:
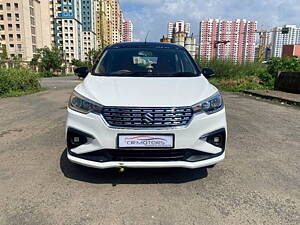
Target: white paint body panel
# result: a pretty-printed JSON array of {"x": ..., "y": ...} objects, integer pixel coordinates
[{"x": 146, "y": 92}]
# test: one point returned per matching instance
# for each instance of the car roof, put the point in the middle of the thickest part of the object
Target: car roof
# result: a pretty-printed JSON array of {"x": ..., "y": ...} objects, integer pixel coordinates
[{"x": 145, "y": 45}]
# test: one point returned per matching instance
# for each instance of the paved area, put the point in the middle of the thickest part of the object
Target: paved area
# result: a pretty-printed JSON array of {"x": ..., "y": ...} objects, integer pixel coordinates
[
  {"x": 278, "y": 95},
  {"x": 258, "y": 183}
]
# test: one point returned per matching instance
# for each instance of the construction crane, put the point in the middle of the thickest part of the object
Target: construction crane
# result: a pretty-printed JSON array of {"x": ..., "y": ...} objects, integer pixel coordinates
[{"x": 263, "y": 45}]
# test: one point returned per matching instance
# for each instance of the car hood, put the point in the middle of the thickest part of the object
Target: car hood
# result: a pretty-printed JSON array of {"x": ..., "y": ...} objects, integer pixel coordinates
[{"x": 146, "y": 91}]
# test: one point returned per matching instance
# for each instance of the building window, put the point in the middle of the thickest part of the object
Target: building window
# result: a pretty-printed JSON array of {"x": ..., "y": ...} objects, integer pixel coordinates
[
  {"x": 1, "y": 7},
  {"x": 18, "y": 37},
  {"x": 17, "y": 17},
  {"x": 16, "y": 6},
  {"x": 32, "y": 21},
  {"x": 2, "y": 37},
  {"x": 11, "y": 37},
  {"x": 32, "y": 30},
  {"x": 10, "y": 27},
  {"x": 33, "y": 40},
  {"x": 8, "y": 6},
  {"x": 8, "y": 16},
  {"x": 1, "y": 17},
  {"x": 18, "y": 27},
  {"x": 19, "y": 47},
  {"x": 31, "y": 11}
]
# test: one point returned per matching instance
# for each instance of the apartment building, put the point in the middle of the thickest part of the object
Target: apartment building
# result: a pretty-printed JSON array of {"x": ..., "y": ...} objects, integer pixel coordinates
[
  {"x": 127, "y": 31},
  {"x": 68, "y": 28},
  {"x": 178, "y": 27},
  {"x": 101, "y": 24},
  {"x": 75, "y": 26},
  {"x": 116, "y": 22},
  {"x": 88, "y": 15},
  {"x": 279, "y": 38},
  {"x": 226, "y": 39},
  {"x": 24, "y": 27}
]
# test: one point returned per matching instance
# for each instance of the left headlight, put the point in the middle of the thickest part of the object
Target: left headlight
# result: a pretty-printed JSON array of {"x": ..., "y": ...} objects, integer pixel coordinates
[
  {"x": 83, "y": 105},
  {"x": 211, "y": 105}
]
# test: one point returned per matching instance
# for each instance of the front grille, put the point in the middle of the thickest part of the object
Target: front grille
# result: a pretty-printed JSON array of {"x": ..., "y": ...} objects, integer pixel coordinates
[{"x": 147, "y": 117}]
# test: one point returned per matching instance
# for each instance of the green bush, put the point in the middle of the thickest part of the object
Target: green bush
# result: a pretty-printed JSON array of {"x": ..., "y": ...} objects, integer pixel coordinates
[
  {"x": 289, "y": 64},
  {"x": 18, "y": 81},
  {"x": 225, "y": 68},
  {"x": 48, "y": 61},
  {"x": 232, "y": 76}
]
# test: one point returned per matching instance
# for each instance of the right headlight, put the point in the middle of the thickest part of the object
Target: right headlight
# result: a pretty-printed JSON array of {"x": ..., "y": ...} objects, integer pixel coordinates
[
  {"x": 83, "y": 105},
  {"x": 211, "y": 105}
]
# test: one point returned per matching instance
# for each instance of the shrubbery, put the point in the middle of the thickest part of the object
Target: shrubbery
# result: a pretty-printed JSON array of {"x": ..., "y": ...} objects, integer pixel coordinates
[
  {"x": 14, "y": 82},
  {"x": 290, "y": 64},
  {"x": 232, "y": 76},
  {"x": 48, "y": 61}
]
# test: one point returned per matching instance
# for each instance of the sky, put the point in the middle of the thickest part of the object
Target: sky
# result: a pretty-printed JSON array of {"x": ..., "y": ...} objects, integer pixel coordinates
[{"x": 154, "y": 15}]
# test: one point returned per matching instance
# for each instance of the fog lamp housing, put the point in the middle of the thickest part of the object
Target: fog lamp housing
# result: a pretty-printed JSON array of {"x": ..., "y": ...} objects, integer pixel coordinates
[
  {"x": 75, "y": 138},
  {"x": 216, "y": 138}
]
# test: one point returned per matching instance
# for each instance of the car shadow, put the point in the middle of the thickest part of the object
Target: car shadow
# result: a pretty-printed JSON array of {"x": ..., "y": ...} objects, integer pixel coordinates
[{"x": 129, "y": 176}]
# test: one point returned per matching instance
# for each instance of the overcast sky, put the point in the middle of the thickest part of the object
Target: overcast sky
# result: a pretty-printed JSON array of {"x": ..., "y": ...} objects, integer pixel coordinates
[{"x": 153, "y": 15}]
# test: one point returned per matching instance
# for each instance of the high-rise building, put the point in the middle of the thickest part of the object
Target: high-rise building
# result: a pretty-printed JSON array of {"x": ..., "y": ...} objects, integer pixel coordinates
[
  {"x": 24, "y": 27},
  {"x": 279, "y": 38},
  {"x": 75, "y": 26},
  {"x": 117, "y": 19},
  {"x": 109, "y": 22},
  {"x": 102, "y": 23},
  {"x": 88, "y": 16},
  {"x": 178, "y": 27},
  {"x": 234, "y": 39},
  {"x": 68, "y": 28},
  {"x": 127, "y": 31}
]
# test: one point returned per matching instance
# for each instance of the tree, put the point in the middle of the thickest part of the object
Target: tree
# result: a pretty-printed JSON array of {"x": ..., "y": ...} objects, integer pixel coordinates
[
  {"x": 92, "y": 55},
  {"x": 48, "y": 60},
  {"x": 3, "y": 56},
  {"x": 79, "y": 63}
]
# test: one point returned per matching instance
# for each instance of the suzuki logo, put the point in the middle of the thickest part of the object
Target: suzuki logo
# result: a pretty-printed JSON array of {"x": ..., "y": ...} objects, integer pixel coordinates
[{"x": 148, "y": 118}]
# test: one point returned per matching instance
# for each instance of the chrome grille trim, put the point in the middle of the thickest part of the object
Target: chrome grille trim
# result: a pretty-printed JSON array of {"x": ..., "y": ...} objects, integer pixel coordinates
[{"x": 150, "y": 117}]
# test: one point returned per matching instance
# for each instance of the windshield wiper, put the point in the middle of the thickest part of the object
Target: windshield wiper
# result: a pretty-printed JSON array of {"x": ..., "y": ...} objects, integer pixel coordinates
[
  {"x": 183, "y": 74},
  {"x": 131, "y": 73}
]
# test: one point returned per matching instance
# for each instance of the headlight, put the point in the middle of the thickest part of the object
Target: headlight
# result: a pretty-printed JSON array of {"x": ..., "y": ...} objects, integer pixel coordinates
[
  {"x": 83, "y": 105},
  {"x": 211, "y": 105}
]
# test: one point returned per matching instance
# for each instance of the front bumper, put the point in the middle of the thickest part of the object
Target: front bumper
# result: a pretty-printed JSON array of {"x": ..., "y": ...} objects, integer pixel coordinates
[
  {"x": 101, "y": 141},
  {"x": 145, "y": 164}
]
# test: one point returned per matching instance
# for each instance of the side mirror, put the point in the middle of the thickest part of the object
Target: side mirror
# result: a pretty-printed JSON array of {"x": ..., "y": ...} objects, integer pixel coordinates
[
  {"x": 208, "y": 72},
  {"x": 81, "y": 71}
]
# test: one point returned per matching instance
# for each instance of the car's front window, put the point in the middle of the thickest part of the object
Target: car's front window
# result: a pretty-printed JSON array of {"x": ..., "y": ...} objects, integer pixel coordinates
[{"x": 158, "y": 62}]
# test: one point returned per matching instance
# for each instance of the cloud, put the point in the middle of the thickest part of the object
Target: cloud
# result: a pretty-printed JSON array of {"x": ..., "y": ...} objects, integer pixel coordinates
[
  {"x": 142, "y": 2},
  {"x": 154, "y": 15}
]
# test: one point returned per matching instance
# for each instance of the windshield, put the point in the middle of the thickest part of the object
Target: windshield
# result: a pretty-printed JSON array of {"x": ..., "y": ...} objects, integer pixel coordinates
[{"x": 145, "y": 62}]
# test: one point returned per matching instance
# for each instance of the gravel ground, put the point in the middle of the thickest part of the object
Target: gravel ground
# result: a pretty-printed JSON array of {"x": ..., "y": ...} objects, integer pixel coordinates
[{"x": 258, "y": 183}]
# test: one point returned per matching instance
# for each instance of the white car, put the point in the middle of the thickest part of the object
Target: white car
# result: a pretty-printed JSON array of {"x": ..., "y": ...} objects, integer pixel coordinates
[{"x": 145, "y": 105}]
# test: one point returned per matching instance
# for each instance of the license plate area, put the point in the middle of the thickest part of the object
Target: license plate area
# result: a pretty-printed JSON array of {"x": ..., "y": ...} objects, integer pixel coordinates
[{"x": 145, "y": 141}]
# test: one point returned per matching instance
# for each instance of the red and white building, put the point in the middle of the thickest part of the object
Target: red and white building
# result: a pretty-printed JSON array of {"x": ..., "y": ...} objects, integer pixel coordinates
[
  {"x": 227, "y": 39},
  {"x": 127, "y": 31}
]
